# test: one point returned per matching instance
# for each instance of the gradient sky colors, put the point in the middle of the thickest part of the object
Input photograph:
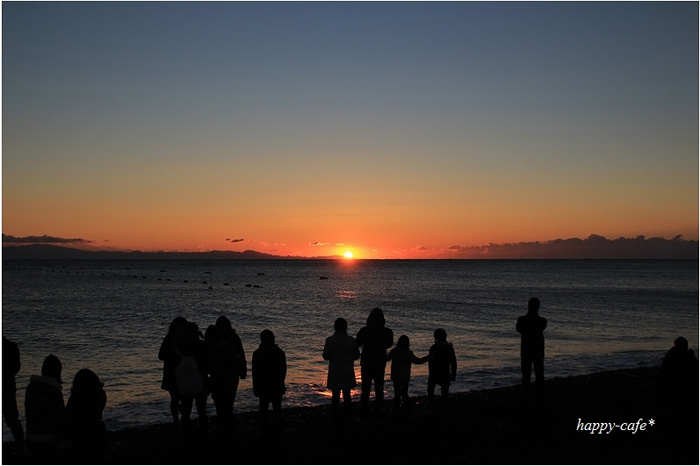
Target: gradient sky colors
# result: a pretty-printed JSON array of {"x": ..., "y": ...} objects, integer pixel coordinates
[{"x": 390, "y": 129}]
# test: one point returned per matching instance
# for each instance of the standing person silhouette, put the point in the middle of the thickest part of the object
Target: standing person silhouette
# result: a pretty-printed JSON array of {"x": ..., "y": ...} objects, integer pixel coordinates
[
  {"x": 45, "y": 412},
  {"x": 531, "y": 327},
  {"x": 375, "y": 338},
  {"x": 269, "y": 372},
  {"x": 401, "y": 358},
  {"x": 341, "y": 352},
  {"x": 10, "y": 367},
  {"x": 191, "y": 376},
  {"x": 227, "y": 366},
  {"x": 84, "y": 423},
  {"x": 442, "y": 367},
  {"x": 170, "y": 357}
]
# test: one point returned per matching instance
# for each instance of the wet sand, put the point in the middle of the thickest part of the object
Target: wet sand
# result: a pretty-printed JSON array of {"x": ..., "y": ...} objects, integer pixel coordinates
[{"x": 479, "y": 427}]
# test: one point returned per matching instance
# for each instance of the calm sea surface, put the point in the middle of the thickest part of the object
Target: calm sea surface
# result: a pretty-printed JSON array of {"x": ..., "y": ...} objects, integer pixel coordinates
[{"x": 111, "y": 316}]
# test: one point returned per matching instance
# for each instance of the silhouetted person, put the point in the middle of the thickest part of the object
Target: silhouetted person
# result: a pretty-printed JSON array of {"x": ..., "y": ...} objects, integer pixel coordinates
[
  {"x": 375, "y": 338},
  {"x": 170, "y": 357},
  {"x": 269, "y": 368},
  {"x": 45, "y": 411},
  {"x": 227, "y": 365},
  {"x": 442, "y": 367},
  {"x": 341, "y": 352},
  {"x": 679, "y": 395},
  {"x": 192, "y": 346},
  {"x": 679, "y": 376},
  {"x": 531, "y": 328},
  {"x": 84, "y": 417},
  {"x": 401, "y": 358},
  {"x": 10, "y": 367}
]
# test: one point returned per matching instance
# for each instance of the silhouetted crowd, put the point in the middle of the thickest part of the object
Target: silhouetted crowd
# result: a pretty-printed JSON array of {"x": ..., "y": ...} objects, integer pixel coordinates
[{"x": 196, "y": 365}]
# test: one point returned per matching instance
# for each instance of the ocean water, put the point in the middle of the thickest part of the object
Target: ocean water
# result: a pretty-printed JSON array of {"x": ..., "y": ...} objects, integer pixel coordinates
[{"x": 111, "y": 316}]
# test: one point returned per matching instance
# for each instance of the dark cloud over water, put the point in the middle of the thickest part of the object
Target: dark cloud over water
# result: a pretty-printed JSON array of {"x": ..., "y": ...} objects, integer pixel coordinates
[{"x": 593, "y": 247}]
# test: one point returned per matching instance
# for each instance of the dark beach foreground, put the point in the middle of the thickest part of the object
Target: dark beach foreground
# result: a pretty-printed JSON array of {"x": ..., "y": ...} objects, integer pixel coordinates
[{"x": 479, "y": 427}]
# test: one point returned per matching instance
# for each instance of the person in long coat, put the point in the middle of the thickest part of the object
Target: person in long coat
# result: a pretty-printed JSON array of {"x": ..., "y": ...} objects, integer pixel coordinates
[{"x": 341, "y": 352}]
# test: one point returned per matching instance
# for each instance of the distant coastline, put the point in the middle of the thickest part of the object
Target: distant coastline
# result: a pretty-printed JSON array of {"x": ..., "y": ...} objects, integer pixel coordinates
[
  {"x": 593, "y": 248},
  {"x": 51, "y": 252}
]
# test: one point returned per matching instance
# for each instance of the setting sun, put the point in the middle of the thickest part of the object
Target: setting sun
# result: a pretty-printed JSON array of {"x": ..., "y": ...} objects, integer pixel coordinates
[{"x": 347, "y": 255}]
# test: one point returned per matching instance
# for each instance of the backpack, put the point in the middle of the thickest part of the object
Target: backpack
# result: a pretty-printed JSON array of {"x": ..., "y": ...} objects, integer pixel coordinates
[{"x": 188, "y": 378}]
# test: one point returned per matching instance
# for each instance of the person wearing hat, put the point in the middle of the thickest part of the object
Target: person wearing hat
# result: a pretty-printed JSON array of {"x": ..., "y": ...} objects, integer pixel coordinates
[{"x": 45, "y": 410}]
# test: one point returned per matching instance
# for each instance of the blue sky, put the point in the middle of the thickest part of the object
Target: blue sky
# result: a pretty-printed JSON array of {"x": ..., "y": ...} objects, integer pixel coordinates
[{"x": 409, "y": 112}]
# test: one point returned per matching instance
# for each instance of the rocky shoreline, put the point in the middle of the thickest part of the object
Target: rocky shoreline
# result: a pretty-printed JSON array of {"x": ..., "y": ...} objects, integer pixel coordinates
[{"x": 490, "y": 426}]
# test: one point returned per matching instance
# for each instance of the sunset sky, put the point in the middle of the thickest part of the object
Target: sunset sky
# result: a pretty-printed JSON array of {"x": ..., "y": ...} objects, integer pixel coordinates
[{"x": 393, "y": 130}]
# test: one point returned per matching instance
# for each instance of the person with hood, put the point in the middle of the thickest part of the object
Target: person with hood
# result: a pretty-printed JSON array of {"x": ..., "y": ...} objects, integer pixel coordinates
[
  {"x": 375, "y": 338},
  {"x": 531, "y": 329},
  {"x": 269, "y": 372},
  {"x": 84, "y": 416},
  {"x": 45, "y": 411},
  {"x": 401, "y": 358},
  {"x": 227, "y": 366},
  {"x": 10, "y": 367},
  {"x": 442, "y": 367},
  {"x": 341, "y": 352}
]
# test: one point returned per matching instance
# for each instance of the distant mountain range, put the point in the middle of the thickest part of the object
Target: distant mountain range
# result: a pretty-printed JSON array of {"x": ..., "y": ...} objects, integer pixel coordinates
[{"x": 50, "y": 252}]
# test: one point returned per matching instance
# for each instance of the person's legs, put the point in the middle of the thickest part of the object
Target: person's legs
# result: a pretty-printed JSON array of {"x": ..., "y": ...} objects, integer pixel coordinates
[
  {"x": 539, "y": 376},
  {"x": 431, "y": 389},
  {"x": 11, "y": 415},
  {"x": 201, "y": 404},
  {"x": 276, "y": 401},
  {"x": 186, "y": 410},
  {"x": 347, "y": 400},
  {"x": 526, "y": 368},
  {"x": 404, "y": 393},
  {"x": 366, "y": 376},
  {"x": 174, "y": 405},
  {"x": 264, "y": 403},
  {"x": 378, "y": 378},
  {"x": 232, "y": 397},
  {"x": 397, "y": 394},
  {"x": 445, "y": 392}
]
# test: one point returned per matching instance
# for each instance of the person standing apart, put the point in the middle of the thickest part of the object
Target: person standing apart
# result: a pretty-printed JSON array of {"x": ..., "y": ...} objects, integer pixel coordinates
[
  {"x": 531, "y": 329},
  {"x": 375, "y": 338}
]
